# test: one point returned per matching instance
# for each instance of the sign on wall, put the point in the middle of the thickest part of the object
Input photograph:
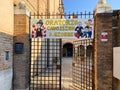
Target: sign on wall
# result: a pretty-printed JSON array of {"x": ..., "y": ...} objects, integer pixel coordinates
[
  {"x": 62, "y": 28},
  {"x": 104, "y": 36}
]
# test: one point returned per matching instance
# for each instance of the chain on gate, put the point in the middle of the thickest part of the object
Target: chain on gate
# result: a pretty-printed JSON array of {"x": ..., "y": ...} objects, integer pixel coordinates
[{"x": 45, "y": 64}]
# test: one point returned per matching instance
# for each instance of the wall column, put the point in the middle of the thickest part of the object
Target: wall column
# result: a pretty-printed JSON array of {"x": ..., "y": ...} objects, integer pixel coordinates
[
  {"x": 103, "y": 56},
  {"x": 21, "y": 60}
]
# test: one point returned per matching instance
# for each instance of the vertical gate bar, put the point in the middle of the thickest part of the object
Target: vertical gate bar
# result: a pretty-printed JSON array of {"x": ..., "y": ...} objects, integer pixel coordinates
[
  {"x": 34, "y": 69},
  {"x": 55, "y": 45},
  {"x": 30, "y": 51},
  {"x": 60, "y": 61},
  {"x": 89, "y": 76},
  {"x": 48, "y": 50},
  {"x": 52, "y": 65},
  {"x": 89, "y": 65},
  {"x": 84, "y": 66},
  {"x": 54, "y": 68},
  {"x": 73, "y": 64},
  {"x": 37, "y": 60},
  {"x": 81, "y": 69},
  {"x": 40, "y": 63},
  {"x": 48, "y": 56},
  {"x": 93, "y": 63},
  {"x": 45, "y": 46},
  {"x": 85, "y": 45},
  {"x": 33, "y": 56},
  {"x": 88, "y": 61},
  {"x": 56, "y": 63},
  {"x": 32, "y": 65},
  {"x": 43, "y": 59}
]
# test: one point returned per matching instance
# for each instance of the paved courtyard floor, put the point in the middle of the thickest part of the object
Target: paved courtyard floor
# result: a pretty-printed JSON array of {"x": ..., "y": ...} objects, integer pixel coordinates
[{"x": 66, "y": 74}]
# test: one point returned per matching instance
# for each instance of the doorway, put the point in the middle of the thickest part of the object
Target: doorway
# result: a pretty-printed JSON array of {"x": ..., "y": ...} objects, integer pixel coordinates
[{"x": 68, "y": 50}]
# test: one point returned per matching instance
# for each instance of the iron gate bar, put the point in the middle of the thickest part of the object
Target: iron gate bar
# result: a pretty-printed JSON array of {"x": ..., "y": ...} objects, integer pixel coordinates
[
  {"x": 83, "y": 65},
  {"x": 60, "y": 15},
  {"x": 44, "y": 76}
]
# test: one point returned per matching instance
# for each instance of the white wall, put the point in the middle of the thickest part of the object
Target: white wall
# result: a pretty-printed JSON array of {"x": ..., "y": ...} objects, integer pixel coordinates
[
  {"x": 6, "y": 79},
  {"x": 116, "y": 62}
]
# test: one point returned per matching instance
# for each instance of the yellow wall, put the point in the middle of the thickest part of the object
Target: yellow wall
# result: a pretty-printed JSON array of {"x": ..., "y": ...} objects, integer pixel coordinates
[
  {"x": 54, "y": 6},
  {"x": 6, "y": 43},
  {"x": 45, "y": 6},
  {"x": 6, "y": 16}
]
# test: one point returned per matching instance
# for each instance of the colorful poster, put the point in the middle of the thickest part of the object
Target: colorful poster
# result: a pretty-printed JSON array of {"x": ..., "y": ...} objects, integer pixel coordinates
[{"x": 62, "y": 28}]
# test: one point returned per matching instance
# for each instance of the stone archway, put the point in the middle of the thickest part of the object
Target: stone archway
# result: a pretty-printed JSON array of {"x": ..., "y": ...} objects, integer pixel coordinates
[{"x": 68, "y": 50}]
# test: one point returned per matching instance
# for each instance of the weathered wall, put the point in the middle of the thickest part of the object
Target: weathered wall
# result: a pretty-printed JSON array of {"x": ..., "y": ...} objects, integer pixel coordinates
[
  {"x": 6, "y": 43},
  {"x": 21, "y": 61},
  {"x": 103, "y": 52},
  {"x": 6, "y": 79}
]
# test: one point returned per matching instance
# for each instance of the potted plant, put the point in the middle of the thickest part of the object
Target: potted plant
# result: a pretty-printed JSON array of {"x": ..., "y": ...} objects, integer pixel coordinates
[{"x": 56, "y": 61}]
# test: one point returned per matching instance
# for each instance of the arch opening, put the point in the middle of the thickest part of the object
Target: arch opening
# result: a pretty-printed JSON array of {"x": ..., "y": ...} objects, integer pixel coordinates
[{"x": 68, "y": 50}]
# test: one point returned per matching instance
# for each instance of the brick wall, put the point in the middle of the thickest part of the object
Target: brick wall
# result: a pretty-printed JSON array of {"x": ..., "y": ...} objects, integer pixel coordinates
[
  {"x": 21, "y": 61},
  {"x": 103, "y": 52}
]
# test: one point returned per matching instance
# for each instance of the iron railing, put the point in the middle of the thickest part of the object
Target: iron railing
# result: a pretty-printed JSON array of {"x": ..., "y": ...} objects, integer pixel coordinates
[
  {"x": 45, "y": 64},
  {"x": 83, "y": 62}
]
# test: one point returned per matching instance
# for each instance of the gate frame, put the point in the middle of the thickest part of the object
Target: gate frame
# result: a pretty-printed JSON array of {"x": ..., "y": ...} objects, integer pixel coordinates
[
  {"x": 59, "y": 16},
  {"x": 76, "y": 62}
]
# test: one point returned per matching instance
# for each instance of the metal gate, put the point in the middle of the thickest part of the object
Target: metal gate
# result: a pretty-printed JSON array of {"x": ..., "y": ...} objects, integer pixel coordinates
[
  {"x": 45, "y": 64},
  {"x": 82, "y": 67}
]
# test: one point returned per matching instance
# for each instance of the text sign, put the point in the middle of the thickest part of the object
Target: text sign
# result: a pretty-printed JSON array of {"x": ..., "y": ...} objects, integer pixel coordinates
[{"x": 62, "y": 28}]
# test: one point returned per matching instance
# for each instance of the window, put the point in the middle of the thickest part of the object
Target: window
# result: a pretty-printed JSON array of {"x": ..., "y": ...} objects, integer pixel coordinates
[{"x": 7, "y": 56}]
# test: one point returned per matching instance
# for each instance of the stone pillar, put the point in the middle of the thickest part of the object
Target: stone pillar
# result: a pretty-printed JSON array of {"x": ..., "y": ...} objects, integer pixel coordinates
[
  {"x": 103, "y": 7},
  {"x": 101, "y": 1},
  {"x": 103, "y": 57},
  {"x": 21, "y": 60}
]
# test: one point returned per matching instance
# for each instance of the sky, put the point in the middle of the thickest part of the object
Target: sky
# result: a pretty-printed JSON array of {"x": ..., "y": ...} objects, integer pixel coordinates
[{"x": 86, "y": 5}]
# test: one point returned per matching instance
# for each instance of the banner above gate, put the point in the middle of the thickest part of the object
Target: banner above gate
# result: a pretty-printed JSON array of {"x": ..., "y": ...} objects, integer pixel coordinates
[{"x": 62, "y": 28}]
